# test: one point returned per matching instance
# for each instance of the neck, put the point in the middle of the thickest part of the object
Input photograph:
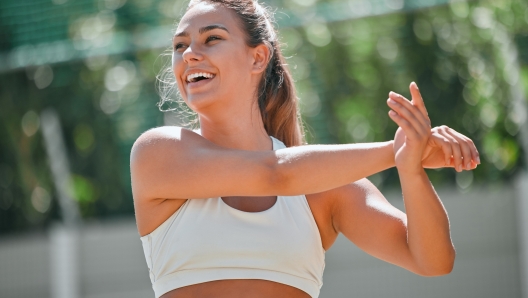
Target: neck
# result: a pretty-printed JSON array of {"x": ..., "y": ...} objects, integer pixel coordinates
[{"x": 243, "y": 130}]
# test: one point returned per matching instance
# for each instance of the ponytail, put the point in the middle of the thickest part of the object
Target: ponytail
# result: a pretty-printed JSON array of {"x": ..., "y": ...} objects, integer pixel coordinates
[{"x": 278, "y": 102}]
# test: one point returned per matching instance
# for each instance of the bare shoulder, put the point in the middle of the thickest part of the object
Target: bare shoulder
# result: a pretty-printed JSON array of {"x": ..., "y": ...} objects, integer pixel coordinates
[
  {"x": 352, "y": 193},
  {"x": 354, "y": 199},
  {"x": 148, "y": 152},
  {"x": 158, "y": 134},
  {"x": 357, "y": 193},
  {"x": 154, "y": 149},
  {"x": 155, "y": 146},
  {"x": 160, "y": 138}
]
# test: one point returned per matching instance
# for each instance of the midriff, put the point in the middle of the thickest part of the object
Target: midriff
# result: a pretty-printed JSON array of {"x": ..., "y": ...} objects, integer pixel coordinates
[{"x": 237, "y": 288}]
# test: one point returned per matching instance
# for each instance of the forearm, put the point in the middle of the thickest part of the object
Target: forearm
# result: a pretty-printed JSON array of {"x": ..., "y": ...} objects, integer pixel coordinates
[
  {"x": 428, "y": 234},
  {"x": 317, "y": 168}
]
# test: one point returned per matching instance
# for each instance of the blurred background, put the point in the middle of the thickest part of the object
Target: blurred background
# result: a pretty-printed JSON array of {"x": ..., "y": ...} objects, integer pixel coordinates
[{"x": 78, "y": 86}]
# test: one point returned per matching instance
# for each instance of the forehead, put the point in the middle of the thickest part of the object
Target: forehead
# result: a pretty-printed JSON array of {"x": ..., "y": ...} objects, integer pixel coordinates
[{"x": 205, "y": 13}]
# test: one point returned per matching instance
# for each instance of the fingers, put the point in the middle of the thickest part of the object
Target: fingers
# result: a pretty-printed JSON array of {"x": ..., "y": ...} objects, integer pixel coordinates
[
  {"x": 457, "y": 155},
  {"x": 407, "y": 127},
  {"x": 417, "y": 100},
  {"x": 464, "y": 151},
  {"x": 409, "y": 112},
  {"x": 459, "y": 151},
  {"x": 444, "y": 142},
  {"x": 467, "y": 146},
  {"x": 457, "y": 161}
]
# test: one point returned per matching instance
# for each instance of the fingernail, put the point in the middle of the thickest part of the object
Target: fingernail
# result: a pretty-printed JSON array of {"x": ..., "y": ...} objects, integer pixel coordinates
[
  {"x": 468, "y": 166},
  {"x": 459, "y": 168},
  {"x": 478, "y": 159}
]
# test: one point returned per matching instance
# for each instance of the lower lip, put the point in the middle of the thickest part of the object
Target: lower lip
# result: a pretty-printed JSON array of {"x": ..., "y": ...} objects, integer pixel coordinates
[{"x": 199, "y": 83}]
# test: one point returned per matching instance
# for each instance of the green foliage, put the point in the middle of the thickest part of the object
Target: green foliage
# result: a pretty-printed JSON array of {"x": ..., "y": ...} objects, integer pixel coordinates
[{"x": 459, "y": 54}]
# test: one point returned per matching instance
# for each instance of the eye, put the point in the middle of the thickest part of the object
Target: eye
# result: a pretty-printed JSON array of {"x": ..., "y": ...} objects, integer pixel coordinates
[
  {"x": 212, "y": 38},
  {"x": 178, "y": 46}
]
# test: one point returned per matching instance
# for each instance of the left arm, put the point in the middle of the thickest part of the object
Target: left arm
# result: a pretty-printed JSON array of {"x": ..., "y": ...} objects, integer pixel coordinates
[
  {"x": 428, "y": 235},
  {"x": 420, "y": 240},
  {"x": 420, "y": 244}
]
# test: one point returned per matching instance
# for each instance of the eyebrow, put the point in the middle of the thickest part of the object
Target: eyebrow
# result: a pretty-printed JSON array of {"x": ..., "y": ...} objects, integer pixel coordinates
[{"x": 202, "y": 30}]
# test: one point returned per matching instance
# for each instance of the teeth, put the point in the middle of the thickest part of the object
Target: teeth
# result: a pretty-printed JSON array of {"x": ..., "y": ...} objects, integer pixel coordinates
[{"x": 191, "y": 77}]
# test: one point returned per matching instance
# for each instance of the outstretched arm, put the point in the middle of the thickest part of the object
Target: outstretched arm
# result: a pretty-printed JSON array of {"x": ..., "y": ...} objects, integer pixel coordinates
[
  {"x": 175, "y": 163},
  {"x": 171, "y": 162}
]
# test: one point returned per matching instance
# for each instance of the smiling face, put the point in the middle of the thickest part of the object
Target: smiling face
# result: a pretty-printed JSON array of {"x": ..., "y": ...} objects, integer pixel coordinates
[{"x": 212, "y": 64}]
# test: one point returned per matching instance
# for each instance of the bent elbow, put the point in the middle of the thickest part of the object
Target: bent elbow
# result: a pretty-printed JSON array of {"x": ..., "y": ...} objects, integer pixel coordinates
[
  {"x": 444, "y": 270},
  {"x": 441, "y": 267}
]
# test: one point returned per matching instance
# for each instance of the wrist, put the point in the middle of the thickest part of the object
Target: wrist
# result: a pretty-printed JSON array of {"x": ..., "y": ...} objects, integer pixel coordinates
[
  {"x": 391, "y": 159},
  {"x": 411, "y": 171}
]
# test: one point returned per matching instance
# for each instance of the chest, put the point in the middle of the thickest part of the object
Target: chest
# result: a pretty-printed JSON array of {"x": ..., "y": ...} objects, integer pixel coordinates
[
  {"x": 284, "y": 228},
  {"x": 319, "y": 205},
  {"x": 154, "y": 215}
]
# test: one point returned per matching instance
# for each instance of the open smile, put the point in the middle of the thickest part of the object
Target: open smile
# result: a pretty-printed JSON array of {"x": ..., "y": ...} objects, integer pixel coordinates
[
  {"x": 199, "y": 76},
  {"x": 199, "y": 79}
]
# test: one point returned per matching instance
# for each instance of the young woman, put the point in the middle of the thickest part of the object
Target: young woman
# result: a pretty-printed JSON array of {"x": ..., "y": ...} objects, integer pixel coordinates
[{"x": 240, "y": 208}]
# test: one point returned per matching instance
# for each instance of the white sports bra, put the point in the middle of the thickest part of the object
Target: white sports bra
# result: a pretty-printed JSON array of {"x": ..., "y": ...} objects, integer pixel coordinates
[{"x": 207, "y": 240}]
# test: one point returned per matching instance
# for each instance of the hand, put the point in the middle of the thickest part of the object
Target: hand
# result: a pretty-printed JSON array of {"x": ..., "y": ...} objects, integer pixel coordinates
[
  {"x": 451, "y": 148},
  {"x": 413, "y": 120},
  {"x": 445, "y": 146}
]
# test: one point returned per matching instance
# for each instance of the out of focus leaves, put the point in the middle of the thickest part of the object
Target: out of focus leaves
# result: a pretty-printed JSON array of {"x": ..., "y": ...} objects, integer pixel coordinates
[
  {"x": 343, "y": 71},
  {"x": 458, "y": 55}
]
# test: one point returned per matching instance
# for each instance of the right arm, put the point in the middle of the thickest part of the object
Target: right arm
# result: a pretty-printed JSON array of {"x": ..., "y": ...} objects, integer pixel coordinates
[{"x": 176, "y": 163}]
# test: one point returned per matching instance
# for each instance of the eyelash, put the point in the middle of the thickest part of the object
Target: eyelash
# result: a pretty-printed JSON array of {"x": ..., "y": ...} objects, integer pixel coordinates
[
  {"x": 208, "y": 39},
  {"x": 178, "y": 46},
  {"x": 212, "y": 36}
]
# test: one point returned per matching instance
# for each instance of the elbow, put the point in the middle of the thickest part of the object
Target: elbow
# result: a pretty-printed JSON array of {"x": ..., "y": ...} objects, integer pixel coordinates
[
  {"x": 438, "y": 271},
  {"x": 440, "y": 267},
  {"x": 280, "y": 177}
]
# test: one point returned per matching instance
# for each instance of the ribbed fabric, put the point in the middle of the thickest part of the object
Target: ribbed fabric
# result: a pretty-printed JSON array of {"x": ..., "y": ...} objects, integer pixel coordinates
[{"x": 207, "y": 240}]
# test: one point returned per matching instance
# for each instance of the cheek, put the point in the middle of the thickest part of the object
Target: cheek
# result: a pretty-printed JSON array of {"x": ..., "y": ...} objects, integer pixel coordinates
[
  {"x": 178, "y": 68},
  {"x": 234, "y": 62},
  {"x": 177, "y": 63}
]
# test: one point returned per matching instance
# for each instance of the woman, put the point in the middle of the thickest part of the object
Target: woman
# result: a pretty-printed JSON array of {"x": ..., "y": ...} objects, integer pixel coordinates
[{"x": 222, "y": 211}]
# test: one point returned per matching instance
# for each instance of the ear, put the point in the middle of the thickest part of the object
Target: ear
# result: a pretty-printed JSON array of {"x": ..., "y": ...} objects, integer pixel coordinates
[{"x": 261, "y": 57}]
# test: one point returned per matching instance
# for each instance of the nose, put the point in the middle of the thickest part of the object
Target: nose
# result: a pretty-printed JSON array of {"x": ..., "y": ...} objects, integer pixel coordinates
[{"x": 191, "y": 54}]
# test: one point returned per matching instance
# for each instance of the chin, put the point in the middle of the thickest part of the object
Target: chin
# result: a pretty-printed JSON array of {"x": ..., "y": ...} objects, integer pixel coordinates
[{"x": 200, "y": 102}]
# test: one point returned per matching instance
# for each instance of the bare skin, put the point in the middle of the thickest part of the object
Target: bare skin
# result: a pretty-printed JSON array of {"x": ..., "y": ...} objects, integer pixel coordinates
[{"x": 169, "y": 165}]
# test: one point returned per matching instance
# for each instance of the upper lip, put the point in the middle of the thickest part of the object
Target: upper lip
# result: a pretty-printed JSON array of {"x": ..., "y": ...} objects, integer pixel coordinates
[{"x": 194, "y": 71}]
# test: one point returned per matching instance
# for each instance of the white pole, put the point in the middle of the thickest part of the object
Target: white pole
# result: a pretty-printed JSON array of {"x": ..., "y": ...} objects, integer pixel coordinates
[
  {"x": 63, "y": 238},
  {"x": 64, "y": 257},
  {"x": 60, "y": 167}
]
